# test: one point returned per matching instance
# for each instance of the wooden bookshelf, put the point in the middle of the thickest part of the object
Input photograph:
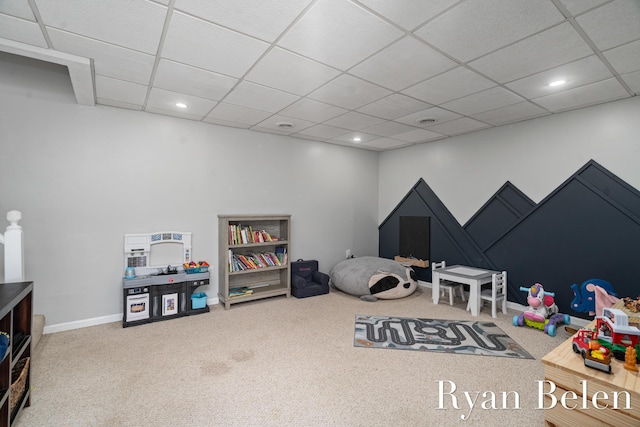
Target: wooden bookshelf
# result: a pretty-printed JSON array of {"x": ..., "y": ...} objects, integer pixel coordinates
[
  {"x": 15, "y": 319},
  {"x": 247, "y": 245}
]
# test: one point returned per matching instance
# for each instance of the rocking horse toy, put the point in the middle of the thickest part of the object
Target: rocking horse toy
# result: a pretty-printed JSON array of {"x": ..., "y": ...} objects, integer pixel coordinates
[{"x": 542, "y": 312}]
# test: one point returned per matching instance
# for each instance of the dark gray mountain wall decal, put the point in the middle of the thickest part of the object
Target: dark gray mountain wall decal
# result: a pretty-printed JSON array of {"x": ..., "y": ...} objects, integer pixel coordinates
[{"x": 588, "y": 227}]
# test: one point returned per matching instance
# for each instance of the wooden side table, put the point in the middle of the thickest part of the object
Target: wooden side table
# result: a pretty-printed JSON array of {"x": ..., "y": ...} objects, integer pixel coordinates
[{"x": 585, "y": 396}]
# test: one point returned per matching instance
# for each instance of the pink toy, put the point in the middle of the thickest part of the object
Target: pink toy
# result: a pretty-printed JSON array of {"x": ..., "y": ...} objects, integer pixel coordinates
[
  {"x": 542, "y": 312},
  {"x": 541, "y": 303}
]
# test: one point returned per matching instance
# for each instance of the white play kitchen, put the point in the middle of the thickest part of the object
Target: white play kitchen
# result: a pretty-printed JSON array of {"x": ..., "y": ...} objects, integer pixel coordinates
[{"x": 161, "y": 280}]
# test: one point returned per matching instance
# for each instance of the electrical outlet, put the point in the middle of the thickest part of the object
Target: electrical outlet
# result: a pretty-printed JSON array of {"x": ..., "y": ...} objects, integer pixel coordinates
[{"x": 348, "y": 253}]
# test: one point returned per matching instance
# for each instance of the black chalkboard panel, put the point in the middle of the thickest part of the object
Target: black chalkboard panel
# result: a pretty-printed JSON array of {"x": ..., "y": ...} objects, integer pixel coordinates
[{"x": 415, "y": 237}]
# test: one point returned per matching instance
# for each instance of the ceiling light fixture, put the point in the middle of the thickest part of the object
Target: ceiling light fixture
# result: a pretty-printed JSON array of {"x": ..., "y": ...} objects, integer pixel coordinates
[
  {"x": 181, "y": 105},
  {"x": 357, "y": 139},
  {"x": 426, "y": 120},
  {"x": 557, "y": 83}
]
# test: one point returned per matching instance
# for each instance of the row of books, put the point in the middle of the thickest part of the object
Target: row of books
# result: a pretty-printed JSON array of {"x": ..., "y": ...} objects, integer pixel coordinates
[
  {"x": 243, "y": 234},
  {"x": 249, "y": 261}
]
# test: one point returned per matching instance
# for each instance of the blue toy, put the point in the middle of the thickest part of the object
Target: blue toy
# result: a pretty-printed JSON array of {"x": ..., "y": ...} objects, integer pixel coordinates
[
  {"x": 542, "y": 312},
  {"x": 584, "y": 299}
]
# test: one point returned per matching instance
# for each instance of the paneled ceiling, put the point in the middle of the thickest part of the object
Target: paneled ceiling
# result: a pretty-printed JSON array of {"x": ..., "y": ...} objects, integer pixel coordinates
[{"x": 373, "y": 74}]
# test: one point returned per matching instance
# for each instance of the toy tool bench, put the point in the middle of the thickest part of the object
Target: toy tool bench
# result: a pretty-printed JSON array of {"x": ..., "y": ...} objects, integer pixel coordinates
[{"x": 152, "y": 293}]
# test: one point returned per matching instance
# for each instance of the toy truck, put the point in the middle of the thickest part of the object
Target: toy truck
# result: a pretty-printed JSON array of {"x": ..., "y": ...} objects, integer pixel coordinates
[
  {"x": 615, "y": 333},
  {"x": 594, "y": 355},
  {"x": 612, "y": 332}
]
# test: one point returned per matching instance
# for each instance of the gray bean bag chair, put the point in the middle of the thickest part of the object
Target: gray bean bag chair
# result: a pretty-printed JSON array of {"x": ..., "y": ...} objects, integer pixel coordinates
[{"x": 371, "y": 278}]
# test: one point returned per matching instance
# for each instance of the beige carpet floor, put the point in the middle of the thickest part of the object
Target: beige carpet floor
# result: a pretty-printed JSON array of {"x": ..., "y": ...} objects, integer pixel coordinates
[{"x": 278, "y": 362}]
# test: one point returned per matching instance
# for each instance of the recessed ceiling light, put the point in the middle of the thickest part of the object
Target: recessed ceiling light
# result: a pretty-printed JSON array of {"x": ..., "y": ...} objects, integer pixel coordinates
[
  {"x": 426, "y": 120},
  {"x": 557, "y": 83},
  {"x": 181, "y": 105},
  {"x": 357, "y": 139},
  {"x": 284, "y": 125}
]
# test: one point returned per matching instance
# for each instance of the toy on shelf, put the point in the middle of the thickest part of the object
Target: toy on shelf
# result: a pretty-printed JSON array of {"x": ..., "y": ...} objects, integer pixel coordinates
[
  {"x": 630, "y": 357},
  {"x": 542, "y": 312},
  {"x": 615, "y": 333},
  {"x": 584, "y": 296},
  {"x": 595, "y": 355}
]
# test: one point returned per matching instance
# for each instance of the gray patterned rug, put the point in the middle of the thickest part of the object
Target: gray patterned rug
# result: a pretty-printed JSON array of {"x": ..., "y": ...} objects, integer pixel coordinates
[{"x": 444, "y": 336}]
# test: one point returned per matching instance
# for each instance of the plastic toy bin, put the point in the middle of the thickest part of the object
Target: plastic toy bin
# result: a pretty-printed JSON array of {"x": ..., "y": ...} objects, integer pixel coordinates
[{"x": 198, "y": 300}]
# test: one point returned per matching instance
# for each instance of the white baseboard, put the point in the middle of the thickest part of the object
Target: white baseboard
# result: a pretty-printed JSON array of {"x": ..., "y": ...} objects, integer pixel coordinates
[
  {"x": 575, "y": 321},
  {"x": 82, "y": 323},
  {"x": 60, "y": 327}
]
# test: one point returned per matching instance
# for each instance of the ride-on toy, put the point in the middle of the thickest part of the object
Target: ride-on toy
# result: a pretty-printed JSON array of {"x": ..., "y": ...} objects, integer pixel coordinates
[{"x": 542, "y": 312}]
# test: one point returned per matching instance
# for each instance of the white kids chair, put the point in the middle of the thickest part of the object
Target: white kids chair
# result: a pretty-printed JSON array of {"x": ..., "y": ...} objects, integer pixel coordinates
[
  {"x": 446, "y": 285},
  {"x": 497, "y": 293}
]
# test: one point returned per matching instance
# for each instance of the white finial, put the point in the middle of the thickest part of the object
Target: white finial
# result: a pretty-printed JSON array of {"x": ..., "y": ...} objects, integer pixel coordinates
[{"x": 13, "y": 217}]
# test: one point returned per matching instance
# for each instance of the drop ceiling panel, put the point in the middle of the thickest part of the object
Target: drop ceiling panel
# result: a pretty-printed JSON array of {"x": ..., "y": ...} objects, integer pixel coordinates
[
  {"x": 262, "y": 19},
  {"x": 626, "y": 58},
  {"x": 290, "y": 72},
  {"x": 349, "y": 92},
  {"x": 403, "y": 64},
  {"x": 165, "y": 101},
  {"x": 338, "y": 33},
  {"x": 418, "y": 135},
  {"x": 388, "y": 129},
  {"x": 533, "y": 54},
  {"x": 182, "y": 78},
  {"x": 202, "y": 44},
  {"x": 594, "y": 93},
  {"x": 613, "y": 24},
  {"x": 235, "y": 115},
  {"x": 310, "y": 109},
  {"x": 108, "y": 60},
  {"x": 337, "y": 66},
  {"x": 409, "y": 14},
  {"x": 19, "y": 9},
  {"x": 633, "y": 80},
  {"x": 349, "y": 137},
  {"x": 120, "y": 91},
  {"x": 450, "y": 85},
  {"x": 510, "y": 114},
  {"x": 324, "y": 132},
  {"x": 477, "y": 27},
  {"x": 578, "y": 73},
  {"x": 576, "y": 7},
  {"x": 274, "y": 123},
  {"x": 133, "y": 24},
  {"x": 354, "y": 121},
  {"x": 458, "y": 126},
  {"x": 393, "y": 106},
  {"x": 439, "y": 115},
  {"x": 21, "y": 30},
  {"x": 259, "y": 97},
  {"x": 384, "y": 144},
  {"x": 489, "y": 99}
]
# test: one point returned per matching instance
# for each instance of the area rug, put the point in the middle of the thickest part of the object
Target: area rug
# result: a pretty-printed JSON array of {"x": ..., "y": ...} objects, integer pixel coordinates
[{"x": 444, "y": 336}]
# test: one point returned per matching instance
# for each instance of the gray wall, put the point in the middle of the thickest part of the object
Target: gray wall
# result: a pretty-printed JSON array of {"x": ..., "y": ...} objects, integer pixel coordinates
[{"x": 85, "y": 176}]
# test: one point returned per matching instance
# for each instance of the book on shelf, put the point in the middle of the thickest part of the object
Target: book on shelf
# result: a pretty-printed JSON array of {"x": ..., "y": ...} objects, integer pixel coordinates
[
  {"x": 244, "y": 234},
  {"x": 240, "y": 292},
  {"x": 252, "y": 260}
]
